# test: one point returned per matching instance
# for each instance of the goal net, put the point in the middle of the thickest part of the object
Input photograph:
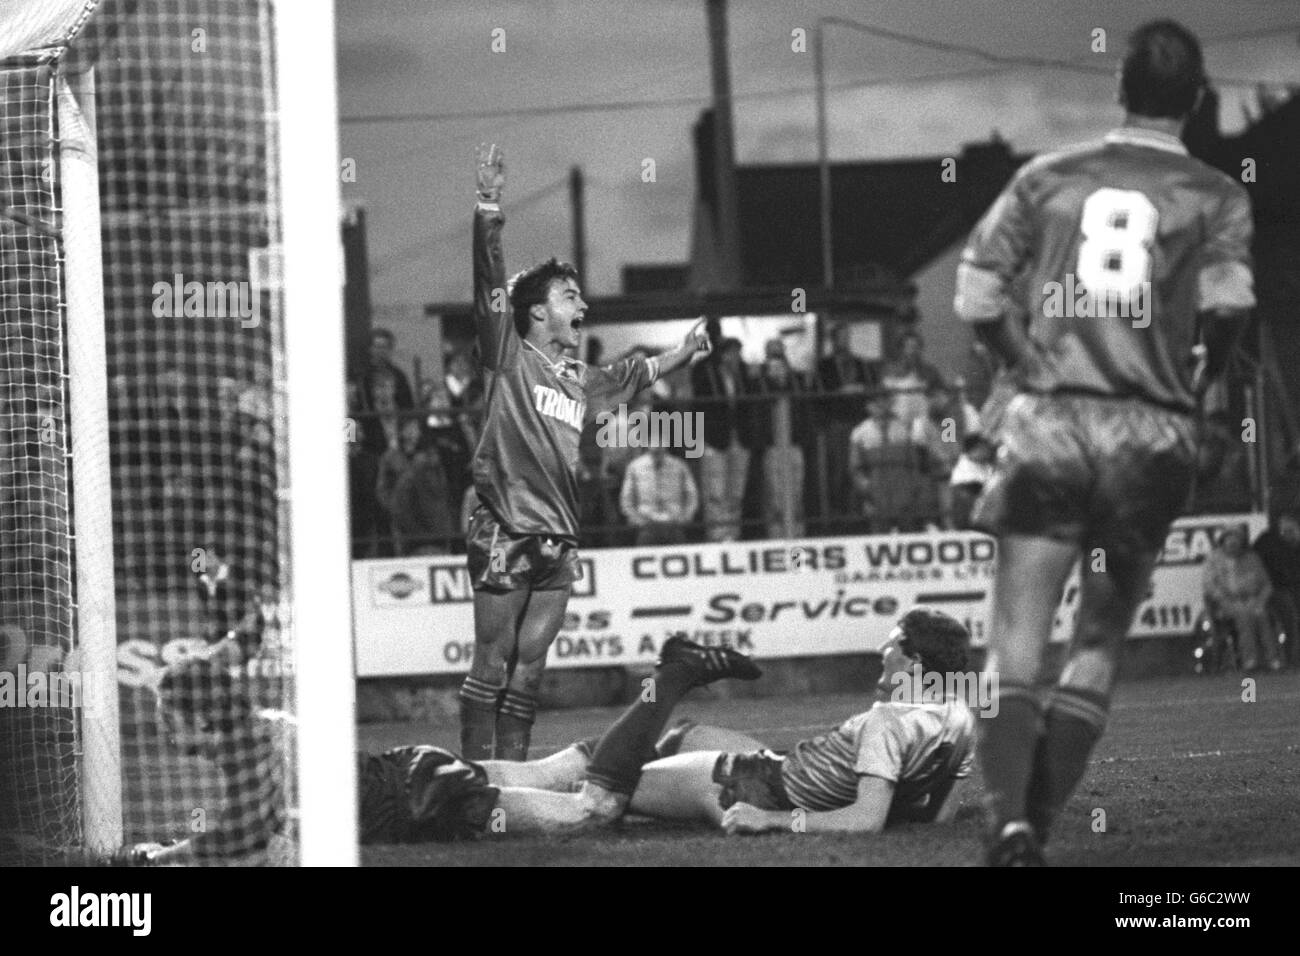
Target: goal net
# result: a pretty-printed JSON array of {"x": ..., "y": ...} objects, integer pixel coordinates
[{"x": 147, "y": 529}]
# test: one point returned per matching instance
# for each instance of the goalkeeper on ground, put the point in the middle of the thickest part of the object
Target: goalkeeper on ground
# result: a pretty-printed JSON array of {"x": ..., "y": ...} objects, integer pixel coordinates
[
  {"x": 205, "y": 709},
  {"x": 408, "y": 794}
]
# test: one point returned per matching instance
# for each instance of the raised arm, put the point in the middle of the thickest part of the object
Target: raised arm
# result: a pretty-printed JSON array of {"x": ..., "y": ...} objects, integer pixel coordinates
[
  {"x": 695, "y": 347},
  {"x": 612, "y": 385},
  {"x": 497, "y": 341}
]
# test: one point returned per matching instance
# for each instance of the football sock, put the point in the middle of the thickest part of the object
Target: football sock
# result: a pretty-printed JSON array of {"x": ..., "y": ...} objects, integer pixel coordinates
[
  {"x": 514, "y": 724},
  {"x": 630, "y": 741},
  {"x": 668, "y": 745},
  {"x": 1074, "y": 721},
  {"x": 1006, "y": 750},
  {"x": 478, "y": 714}
]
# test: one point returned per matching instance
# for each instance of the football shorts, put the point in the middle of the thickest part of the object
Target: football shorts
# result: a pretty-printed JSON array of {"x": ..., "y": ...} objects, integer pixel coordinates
[
  {"x": 1101, "y": 472},
  {"x": 419, "y": 794},
  {"x": 508, "y": 562},
  {"x": 753, "y": 778}
]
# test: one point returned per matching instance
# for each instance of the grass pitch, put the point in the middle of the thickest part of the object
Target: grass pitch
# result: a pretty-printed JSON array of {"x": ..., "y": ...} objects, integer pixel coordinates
[{"x": 1189, "y": 774}]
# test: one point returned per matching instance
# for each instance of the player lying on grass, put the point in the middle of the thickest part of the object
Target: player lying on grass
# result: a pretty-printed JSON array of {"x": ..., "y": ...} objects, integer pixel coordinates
[
  {"x": 522, "y": 538},
  {"x": 900, "y": 760}
]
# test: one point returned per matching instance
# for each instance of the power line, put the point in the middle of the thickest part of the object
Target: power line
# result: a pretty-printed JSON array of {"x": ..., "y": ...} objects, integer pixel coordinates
[
  {"x": 696, "y": 100},
  {"x": 1002, "y": 62},
  {"x": 1049, "y": 63}
]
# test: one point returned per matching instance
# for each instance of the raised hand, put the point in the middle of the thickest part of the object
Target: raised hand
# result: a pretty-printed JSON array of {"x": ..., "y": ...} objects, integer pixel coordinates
[
  {"x": 698, "y": 343},
  {"x": 491, "y": 172}
]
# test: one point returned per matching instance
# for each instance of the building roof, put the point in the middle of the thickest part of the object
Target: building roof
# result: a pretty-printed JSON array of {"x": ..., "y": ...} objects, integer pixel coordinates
[{"x": 888, "y": 219}]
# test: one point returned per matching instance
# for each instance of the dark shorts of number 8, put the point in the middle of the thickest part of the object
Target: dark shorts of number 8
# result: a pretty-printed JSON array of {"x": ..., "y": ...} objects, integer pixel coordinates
[
  {"x": 502, "y": 561},
  {"x": 1110, "y": 473}
]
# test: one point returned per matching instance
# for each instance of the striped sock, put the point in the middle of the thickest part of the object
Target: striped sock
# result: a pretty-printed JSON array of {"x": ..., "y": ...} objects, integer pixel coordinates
[
  {"x": 514, "y": 724},
  {"x": 478, "y": 707},
  {"x": 1075, "y": 719},
  {"x": 1006, "y": 750}
]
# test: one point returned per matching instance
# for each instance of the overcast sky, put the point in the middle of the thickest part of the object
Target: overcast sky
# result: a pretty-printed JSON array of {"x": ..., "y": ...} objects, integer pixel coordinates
[{"x": 398, "y": 58}]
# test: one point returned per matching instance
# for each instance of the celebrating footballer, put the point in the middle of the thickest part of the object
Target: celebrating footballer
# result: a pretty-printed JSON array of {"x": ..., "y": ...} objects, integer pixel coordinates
[{"x": 523, "y": 536}]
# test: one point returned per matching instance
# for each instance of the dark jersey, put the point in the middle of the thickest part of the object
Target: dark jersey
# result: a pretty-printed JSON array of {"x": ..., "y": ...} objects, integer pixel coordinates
[
  {"x": 526, "y": 464},
  {"x": 421, "y": 793},
  {"x": 1112, "y": 250},
  {"x": 255, "y": 808}
]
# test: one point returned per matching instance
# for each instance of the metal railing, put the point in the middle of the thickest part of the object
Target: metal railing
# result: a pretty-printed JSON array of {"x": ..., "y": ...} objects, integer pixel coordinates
[{"x": 822, "y": 422}]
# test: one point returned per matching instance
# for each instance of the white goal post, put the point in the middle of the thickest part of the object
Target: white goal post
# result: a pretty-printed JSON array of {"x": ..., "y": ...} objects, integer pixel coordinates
[
  {"x": 95, "y": 622},
  {"x": 313, "y": 279}
]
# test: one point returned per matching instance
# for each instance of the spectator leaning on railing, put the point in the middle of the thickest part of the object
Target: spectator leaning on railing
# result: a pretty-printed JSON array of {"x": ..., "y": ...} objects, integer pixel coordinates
[
  {"x": 378, "y": 427},
  {"x": 380, "y": 364},
  {"x": 728, "y": 439},
  {"x": 938, "y": 435},
  {"x": 910, "y": 377},
  {"x": 422, "y": 506},
  {"x": 659, "y": 497},
  {"x": 885, "y": 464},
  {"x": 613, "y": 460},
  {"x": 452, "y": 408},
  {"x": 848, "y": 379},
  {"x": 783, "y": 428}
]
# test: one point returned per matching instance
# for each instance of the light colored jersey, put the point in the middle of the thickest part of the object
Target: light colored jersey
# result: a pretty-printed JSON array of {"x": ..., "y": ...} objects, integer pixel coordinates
[
  {"x": 1130, "y": 225},
  {"x": 920, "y": 748},
  {"x": 526, "y": 463}
]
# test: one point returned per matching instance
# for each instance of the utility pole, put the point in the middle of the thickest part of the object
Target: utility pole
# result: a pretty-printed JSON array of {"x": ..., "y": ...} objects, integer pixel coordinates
[
  {"x": 823, "y": 158},
  {"x": 577, "y": 204},
  {"x": 724, "y": 152}
]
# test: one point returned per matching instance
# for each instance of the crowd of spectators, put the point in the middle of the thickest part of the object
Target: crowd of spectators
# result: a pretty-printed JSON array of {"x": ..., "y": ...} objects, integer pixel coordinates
[
  {"x": 851, "y": 446},
  {"x": 409, "y": 462}
]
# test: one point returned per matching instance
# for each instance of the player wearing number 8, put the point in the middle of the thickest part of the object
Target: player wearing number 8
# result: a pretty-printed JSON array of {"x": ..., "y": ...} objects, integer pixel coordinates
[{"x": 1097, "y": 447}]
